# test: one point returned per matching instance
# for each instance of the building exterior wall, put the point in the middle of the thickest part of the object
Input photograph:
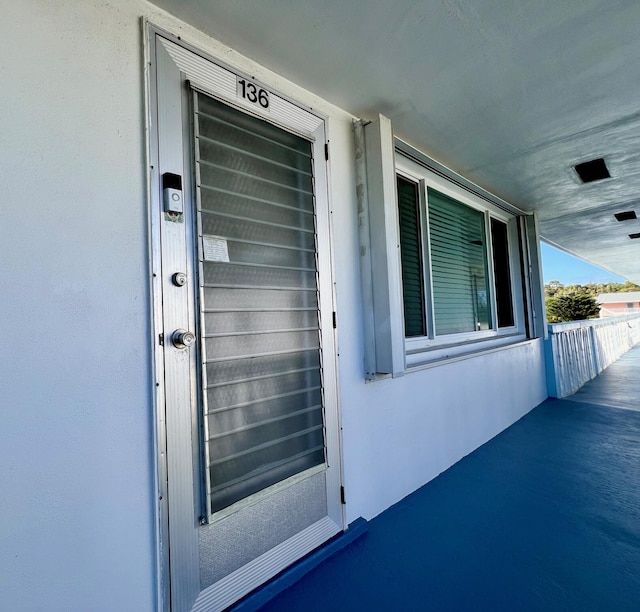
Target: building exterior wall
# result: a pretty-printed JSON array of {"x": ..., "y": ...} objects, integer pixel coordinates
[
  {"x": 620, "y": 308},
  {"x": 618, "y": 304},
  {"x": 78, "y": 439},
  {"x": 400, "y": 433},
  {"x": 76, "y": 442}
]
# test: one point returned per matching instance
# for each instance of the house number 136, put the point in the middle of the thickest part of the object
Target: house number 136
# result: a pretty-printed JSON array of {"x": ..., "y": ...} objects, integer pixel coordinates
[{"x": 252, "y": 93}]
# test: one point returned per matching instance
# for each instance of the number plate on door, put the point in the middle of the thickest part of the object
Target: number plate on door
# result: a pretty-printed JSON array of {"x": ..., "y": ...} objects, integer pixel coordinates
[{"x": 253, "y": 93}]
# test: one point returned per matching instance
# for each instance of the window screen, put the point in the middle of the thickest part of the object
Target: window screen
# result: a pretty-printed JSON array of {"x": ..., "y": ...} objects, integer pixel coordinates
[
  {"x": 411, "y": 257},
  {"x": 502, "y": 273}
]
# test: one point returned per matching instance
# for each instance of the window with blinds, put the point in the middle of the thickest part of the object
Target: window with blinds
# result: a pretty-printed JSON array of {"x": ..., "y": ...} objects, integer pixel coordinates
[
  {"x": 261, "y": 360},
  {"x": 459, "y": 275},
  {"x": 464, "y": 253}
]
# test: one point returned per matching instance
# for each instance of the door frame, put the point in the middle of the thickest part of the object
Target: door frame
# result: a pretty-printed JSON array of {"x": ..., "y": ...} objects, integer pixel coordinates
[{"x": 182, "y": 594}]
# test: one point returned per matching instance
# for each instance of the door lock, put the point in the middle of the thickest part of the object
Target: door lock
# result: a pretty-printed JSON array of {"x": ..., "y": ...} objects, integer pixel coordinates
[
  {"x": 181, "y": 338},
  {"x": 179, "y": 279}
]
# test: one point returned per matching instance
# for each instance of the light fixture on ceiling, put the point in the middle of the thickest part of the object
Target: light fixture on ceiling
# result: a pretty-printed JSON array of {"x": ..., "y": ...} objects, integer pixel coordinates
[
  {"x": 594, "y": 170},
  {"x": 627, "y": 215}
]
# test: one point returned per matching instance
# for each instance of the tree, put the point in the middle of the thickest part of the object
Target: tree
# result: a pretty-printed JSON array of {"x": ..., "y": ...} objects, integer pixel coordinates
[
  {"x": 552, "y": 287},
  {"x": 629, "y": 286},
  {"x": 555, "y": 288},
  {"x": 572, "y": 307}
]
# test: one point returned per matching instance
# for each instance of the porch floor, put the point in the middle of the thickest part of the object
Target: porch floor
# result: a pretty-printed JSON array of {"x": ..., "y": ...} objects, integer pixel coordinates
[{"x": 546, "y": 516}]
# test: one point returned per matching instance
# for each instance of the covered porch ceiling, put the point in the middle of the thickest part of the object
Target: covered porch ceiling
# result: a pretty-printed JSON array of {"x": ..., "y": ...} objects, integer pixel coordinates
[{"x": 512, "y": 95}]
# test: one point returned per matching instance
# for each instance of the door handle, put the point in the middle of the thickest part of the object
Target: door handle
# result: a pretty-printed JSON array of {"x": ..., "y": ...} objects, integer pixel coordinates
[{"x": 181, "y": 338}]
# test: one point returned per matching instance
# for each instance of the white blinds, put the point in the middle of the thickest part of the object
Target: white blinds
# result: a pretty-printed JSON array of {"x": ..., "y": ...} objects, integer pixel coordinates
[{"x": 458, "y": 266}]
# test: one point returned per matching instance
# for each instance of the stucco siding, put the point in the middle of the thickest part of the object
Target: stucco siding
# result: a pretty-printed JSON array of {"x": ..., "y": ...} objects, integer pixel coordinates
[
  {"x": 76, "y": 438},
  {"x": 401, "y": 433}
]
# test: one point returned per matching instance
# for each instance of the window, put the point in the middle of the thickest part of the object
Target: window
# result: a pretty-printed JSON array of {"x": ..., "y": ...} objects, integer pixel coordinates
[
  {"x": 447, "y": 268},
  {"x": 411, "y": 258},
  {"x": 502, "y": 272},
  {"x": 458, "y": 254},
  {"x": 459, "y": 272}
]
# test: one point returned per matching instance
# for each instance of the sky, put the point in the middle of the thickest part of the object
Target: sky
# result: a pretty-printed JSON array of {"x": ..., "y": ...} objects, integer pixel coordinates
[{"x": 569, "y": 270}]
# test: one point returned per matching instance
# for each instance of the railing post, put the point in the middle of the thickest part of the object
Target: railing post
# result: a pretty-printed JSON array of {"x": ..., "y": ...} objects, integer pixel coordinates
[
  {"x": 594, "y": 351},
  {"x": 550, "y": 361}
]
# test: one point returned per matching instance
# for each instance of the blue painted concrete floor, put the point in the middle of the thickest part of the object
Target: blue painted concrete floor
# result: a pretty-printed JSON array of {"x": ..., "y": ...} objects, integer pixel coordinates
[{"x": 546, "y": 516}]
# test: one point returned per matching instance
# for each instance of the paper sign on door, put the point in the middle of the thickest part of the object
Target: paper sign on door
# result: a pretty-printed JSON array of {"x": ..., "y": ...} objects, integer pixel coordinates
[{"x": 214, "y": 248}]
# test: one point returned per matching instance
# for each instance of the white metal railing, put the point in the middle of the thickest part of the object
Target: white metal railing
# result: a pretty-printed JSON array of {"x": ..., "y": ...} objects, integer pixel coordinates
[{"x": 578, "y": 351}]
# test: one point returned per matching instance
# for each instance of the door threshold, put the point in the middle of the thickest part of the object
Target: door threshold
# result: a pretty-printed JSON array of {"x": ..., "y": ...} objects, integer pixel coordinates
[{"x": 288, "y": 577}]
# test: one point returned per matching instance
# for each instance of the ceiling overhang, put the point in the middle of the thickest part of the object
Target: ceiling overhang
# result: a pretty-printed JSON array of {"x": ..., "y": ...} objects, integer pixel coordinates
[{"x": 510, "y": 95}]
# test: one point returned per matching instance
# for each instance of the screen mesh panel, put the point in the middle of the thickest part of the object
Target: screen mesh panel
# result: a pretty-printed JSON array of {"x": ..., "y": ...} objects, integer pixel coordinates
[
  {"x": 411, "y": 255},
  {"x": 458, "y": 266},
  {"x": 260, "y": 340},
  {"x": 502, "y": 273}
]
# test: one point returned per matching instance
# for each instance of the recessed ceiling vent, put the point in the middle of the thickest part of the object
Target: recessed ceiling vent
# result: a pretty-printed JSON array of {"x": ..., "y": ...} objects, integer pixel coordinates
[
  {"x": 594, "y": 170},
  {"x": 627, "y": 215},
  {"x": 634, "y": 236}
]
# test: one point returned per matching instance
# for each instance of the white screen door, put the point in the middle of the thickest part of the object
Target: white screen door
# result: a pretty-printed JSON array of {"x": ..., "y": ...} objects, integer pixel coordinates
[{"x": 248, "y": 409}]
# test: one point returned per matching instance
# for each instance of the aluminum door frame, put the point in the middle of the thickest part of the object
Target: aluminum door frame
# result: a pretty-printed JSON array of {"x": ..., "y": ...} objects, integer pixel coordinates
[{"x": 169, "y": 61}]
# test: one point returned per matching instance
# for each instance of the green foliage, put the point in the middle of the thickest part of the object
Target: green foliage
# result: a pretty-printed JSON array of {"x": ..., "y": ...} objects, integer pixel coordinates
[
  {"x": 571, "y": 307},
  {"x": 552, "y": 287},
  {"x": 555, "y": 288}
]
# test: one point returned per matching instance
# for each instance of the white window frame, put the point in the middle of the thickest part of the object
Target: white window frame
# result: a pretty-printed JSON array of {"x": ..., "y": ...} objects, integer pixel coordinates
[
  {"x": 432, "y": 347},
  {"x": 386, "y": 350}
]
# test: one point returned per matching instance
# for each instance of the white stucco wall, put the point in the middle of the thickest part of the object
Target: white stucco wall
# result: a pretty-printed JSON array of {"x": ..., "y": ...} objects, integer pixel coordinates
[
  {"x": 401, "y": 433},
  {"x": 77, "y": 529},
  {"x": 76, "y": 440}
]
